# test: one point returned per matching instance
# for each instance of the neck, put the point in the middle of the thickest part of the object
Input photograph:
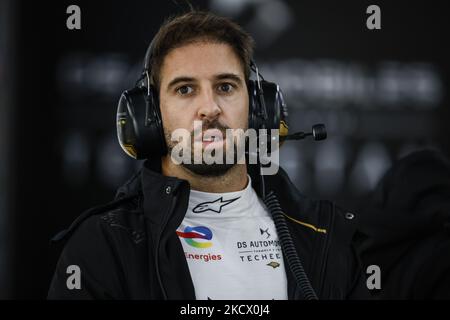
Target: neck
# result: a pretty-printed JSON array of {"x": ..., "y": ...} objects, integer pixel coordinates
[{"x": 235, "y": 179}]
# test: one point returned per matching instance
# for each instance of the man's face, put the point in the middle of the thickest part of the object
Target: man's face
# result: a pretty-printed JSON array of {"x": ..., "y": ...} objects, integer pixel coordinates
[{"x": 203, "y": 81}]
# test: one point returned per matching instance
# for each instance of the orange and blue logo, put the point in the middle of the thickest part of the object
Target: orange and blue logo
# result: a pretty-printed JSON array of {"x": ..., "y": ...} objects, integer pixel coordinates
[{"x": 191, "y": 233}]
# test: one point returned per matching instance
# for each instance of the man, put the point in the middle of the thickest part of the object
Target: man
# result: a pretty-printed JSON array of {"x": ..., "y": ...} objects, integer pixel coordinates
[{"x": 203, "y": 231}]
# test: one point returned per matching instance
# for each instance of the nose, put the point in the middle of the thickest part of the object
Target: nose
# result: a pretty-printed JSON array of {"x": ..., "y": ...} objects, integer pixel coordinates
[{"x": 208, "y": 109}]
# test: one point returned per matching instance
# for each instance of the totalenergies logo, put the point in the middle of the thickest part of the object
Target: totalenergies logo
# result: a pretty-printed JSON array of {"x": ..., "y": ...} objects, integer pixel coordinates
[{"x": 191, "y": 233}]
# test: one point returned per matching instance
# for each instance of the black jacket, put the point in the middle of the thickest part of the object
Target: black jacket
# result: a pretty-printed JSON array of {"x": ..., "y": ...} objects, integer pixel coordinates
[
  {"x": 406, "y": 223},
  {"x": 129, "y": 249}
]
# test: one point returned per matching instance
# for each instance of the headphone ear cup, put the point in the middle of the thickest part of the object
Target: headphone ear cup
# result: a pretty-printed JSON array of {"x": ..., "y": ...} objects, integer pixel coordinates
[
  {"x": 254, "y": 105},
  {"x": 276, "y": 108},
  {"x": 139, "y": 126},
  {"x": 284, "y": 116},
  {"x": 277, "y": 113}
]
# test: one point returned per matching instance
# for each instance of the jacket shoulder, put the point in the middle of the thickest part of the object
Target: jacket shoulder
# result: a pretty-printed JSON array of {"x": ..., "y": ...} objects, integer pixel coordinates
[
  {"x": 327, "y": 233},
  {"x": 120, "y": 212},
  {"x": 87, "y": 266},
  {"x": 99, "y": 247}
]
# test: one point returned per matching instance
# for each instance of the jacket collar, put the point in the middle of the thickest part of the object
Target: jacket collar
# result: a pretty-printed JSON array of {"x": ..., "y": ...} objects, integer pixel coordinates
[
  {"x": 155, "y": 185},
  {"x": 157, "y": 192}
]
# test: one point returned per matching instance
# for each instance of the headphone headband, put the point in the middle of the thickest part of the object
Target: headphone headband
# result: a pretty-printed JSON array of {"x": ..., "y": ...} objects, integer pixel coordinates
[{"x": 148, "y": 55}]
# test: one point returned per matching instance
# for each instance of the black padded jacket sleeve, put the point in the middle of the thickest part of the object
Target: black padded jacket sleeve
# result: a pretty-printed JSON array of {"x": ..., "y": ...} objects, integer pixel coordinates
[{"x": 90, "y": 249}]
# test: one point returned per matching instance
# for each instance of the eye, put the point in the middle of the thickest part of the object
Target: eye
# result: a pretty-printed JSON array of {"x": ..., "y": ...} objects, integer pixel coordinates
[
  {"x": 184, "y": 90},
  {"x": 226, "y": 87}
]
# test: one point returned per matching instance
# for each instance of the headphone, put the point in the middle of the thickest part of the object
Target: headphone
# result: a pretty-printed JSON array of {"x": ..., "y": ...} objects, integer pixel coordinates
[{"x": 139, "y": 124}]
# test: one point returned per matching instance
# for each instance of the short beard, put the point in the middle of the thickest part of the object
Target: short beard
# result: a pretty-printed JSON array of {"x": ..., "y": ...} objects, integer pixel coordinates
[
  {"x": 208, "y": 170},
  {"x": 204, "y": 169}
]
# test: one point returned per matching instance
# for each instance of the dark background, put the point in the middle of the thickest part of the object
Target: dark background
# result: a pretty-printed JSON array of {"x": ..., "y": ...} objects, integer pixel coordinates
[{"x": 381, "y": 93}]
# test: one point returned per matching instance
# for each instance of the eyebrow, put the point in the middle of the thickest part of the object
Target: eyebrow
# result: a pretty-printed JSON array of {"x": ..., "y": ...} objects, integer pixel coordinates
[
  {"x": 221, "y": 76},
  {"x": 177, "y": 80},
  {"x": 230, "y": 76}
]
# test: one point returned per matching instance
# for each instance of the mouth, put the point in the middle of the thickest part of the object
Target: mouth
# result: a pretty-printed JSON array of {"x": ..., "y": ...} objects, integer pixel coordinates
[
  {"x": 213, "y": 137},
  {"x": 213, "y": 144}
]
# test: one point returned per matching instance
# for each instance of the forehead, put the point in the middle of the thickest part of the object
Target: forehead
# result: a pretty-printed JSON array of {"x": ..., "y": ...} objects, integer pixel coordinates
[{"x": 200, "y": 59}]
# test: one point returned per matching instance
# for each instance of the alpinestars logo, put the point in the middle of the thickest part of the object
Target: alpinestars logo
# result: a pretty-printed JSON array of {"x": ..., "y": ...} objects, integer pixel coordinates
[
  {"x": 265, "y": 231},
  {"x": 215, "y": 206}
]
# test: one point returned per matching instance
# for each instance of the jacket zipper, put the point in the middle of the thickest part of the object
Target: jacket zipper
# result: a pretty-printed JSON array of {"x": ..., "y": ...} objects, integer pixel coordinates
[
  {"x": 158, "y": 243},
  {"x": 326, "y": 247}
]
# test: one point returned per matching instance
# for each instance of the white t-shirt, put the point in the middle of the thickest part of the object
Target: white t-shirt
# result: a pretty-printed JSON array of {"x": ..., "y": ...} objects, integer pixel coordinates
[{"x": 232, "y": 248}]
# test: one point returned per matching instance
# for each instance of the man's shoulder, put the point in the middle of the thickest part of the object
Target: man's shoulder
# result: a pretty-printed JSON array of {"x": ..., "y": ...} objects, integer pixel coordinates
[
  {"x": 324, "y": 234},
  {"x": 120, "y": 218},
  {"x": 102, "y": 246},
  {"x": 298, "y": 206}
]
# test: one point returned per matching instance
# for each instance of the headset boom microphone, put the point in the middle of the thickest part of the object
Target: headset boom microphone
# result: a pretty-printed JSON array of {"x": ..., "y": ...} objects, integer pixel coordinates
[{"x": 318, "y": 133}]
